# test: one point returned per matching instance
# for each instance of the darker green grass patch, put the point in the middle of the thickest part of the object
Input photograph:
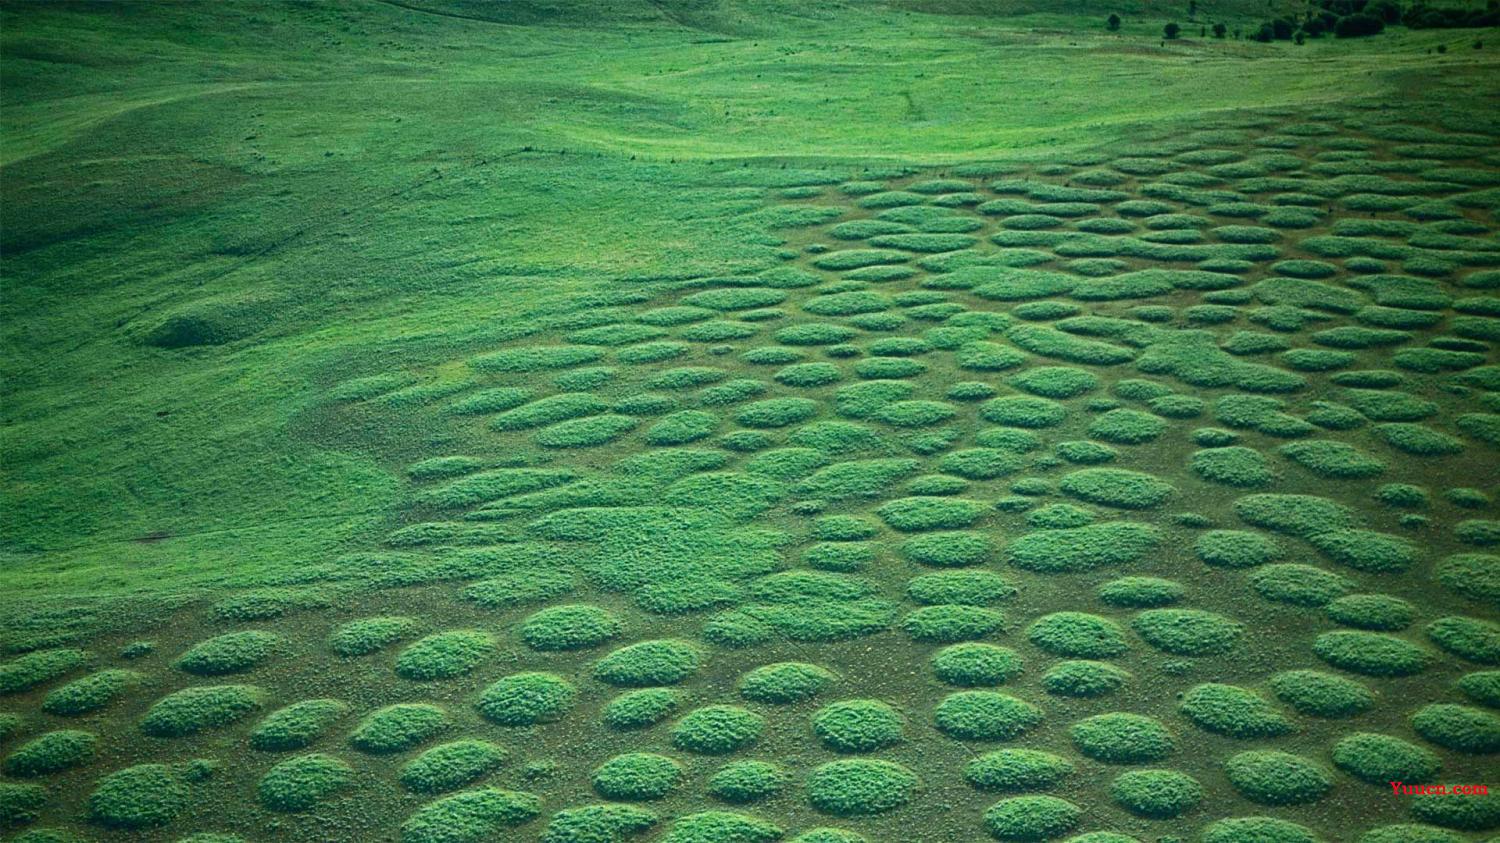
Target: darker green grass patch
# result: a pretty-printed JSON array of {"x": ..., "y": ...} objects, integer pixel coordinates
[
  {"x": 53, "y": 752},
  {"x": 298, "y": 725},
  {"x": 470, "y": 816},
  {"x": 91, "y": 693},
  {"x": 1187, "y": 632},
  {"x": 1272, "y": 777},
  {"x": 525, "y": 699},
  {"x": 1077, "y": 635},
  {"x": 1156, "y": 794},
  {"x": 37, "y": 668},
  {"x": 397, "y": 728},
  {"x": 1083, "y": 548},
  {"x": 572, "y": 627},
  {"x": 445, "y": 655},
  {"x": 301, "y": 783},
  {"x": 1031, "y": 818},
  {"x": 1371, "y": 653},
  {"x": 450, "y": 766},
  {"x": 858, "y": 725},
  {"x": 1233, "y": 712},
  {"x": 141, "y": 797},
  {"x": 647, "y": 663},
  {"x": 717, "y": 729},
  {"x": 860, "y": 787},
  {"x": 641, "y": 709},
  {"x": 1116, "y": 487},
  {"x": 197, "y": 709}
]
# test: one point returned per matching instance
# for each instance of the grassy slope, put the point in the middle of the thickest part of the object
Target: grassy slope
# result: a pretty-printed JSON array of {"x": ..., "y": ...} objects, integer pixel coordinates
[{"x": 350, "y": 181}]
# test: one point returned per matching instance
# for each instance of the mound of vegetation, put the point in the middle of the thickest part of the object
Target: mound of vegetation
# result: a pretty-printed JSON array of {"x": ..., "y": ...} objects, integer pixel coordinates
[
  {"x": 717, "y": 729},
  {"x": 1077, "y": 635},
  {"x": 51, "y": 753},
  {"x": 642, "y": 708},
  {"x": 860, "y": 787},
  {"x": 637, "y": 776},
  {"x": 858, "y": 725},
  {"x": 1083, "y": 548},
  {"x": 90, "y": 693},
  {"x": 1460, "y": 728},
  {"x": 1187, "y": 632},
  {"x": 743, "y": 782},
  {"x": 368, "y": 635},
  {"x": 470, "y": 816},
  {"x": 784, "y": 683},
  {"x": 659, "y": 662},
  {"x": 399, "y": 727},
  {"x": 1116, "y": 487},
  {"x": 444, "y": 655},
  {"x": 296, "y": 726},
  {"x": 1233, "y": 711},
  {"x": 985, "y": 716},
  {"x": 1236, "y": 548},
  {"x": 141, "y": 797},
  {"x": 1140, "y": 592},
  {"x": 726, "y": 826},
  {"x": 1380, "y": 759},
  {"x": 452, "y": 765},
  {"x": 1031, "y": 818},
  {"x": 1272, "y": 777},
  {"x": 1083, "y": 678},
  {"x": 1371, "y": 653},
  {"x": 192, "y": 710},
  {"x": 1318, "y": 694},
  {"x": 949, "y": 623},
  {"x": 1157, "y": 794},
  {"x": 1013, "y": 770},
  {"x": 300, "y": 783},
  {"x": 1122, "y": 738},
  {"x": 525, "y": 699},
  {"x": 975, "y": 665}
]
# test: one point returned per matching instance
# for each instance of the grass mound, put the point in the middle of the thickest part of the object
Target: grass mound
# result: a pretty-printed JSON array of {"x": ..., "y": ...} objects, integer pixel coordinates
[
  {"x": 525, "y": 699},
  {"x": 1371, "y": 653},
  {"x": 1156, "y": 794},
  {"x": 1298, "y": 585},
  {"x": 640, "y": 709},
  {"x": 949, "y": 623},
  {"x": 1014, "y": 770},
  {"x": 1233, "y": 711},
  {"x": 1460, "y": 728},
  {"x": 948, "y": 549},
  {"x": 1122, "y": 738},
  {"x": 985, "y": 716},
  {"x": 746, "y": 781},
  {"x": 1235, "y": 548},
  {"x": 445, "y": 655},
  {"x": 1272, "y": 777},
  {"x": 1031, "y": 818},
  {"x": 784, "y": 683},
  {"x": 1468, "y": 638},
  {"x": 1377, "y": 612},
  {"x": 1077, "y": 635},
  {"x": 660, "y": 662},
  {"x": 1116, "y": 487},
  {"x": 51, "y": 753},
  {"x": 452, "y": 765},
  {"x": 397, "y": 728},
  {"x": 1318, "y": 694},
  {"x": 299, "y": 784},
  {"x": 39, "y": 667},
  {"x": 90, "y": 693},
  {"x": 574, "y": 627},
  {"x": 637, "y": 776},
  {"x": 860, "y": 787},
  {"x": 369, "y": 635},
  {"x": 968, "y": 587},
  {"x": 1187, "y": 632},
  {"x": 1380, "y": 759},
  {"x": 1083, "y": 679},
  {"x": 234, "y": 652},
  {"x": 1140, "y": 592},
  {"x": 721, "y": 827},
  {"x": 470, "y": 816},
  {"x": 598, "y": 824},
  {"x": 1083, "y": 548},
  {"x": 1127, "y": 427},
  {"x": 140, "y": 797},
  {"x": 976, "y": 665},
  {"x": 296, "y": 726},
  {"x": 717, "y": 729},
  {"x": 858, "y": 725},
  {"x": 910, "y": 515},
  {"x": 193, "y": 710},
  {"x": 1258, "y": 830},
  {"x": 1235, "y": 465}
]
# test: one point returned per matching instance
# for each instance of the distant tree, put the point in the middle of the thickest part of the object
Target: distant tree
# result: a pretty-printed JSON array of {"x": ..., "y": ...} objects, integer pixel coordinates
[
  {"x": 1315, "y": 27},
  {"x": 1219, "y": 30},
  {"x": 1266, "y": 34},
  {"x": 1387, "y": 10},
  {"x": 1282, "y": 29},
  {"x": 1171, "y": 30},
  {"x": 1358, "y": 25},
  {"x": 1442, "y": 48},
  {"x": 1113, "y": 22},
  {"x": 1192, "y": 8},
  {"x": 1300, "y": 38}
]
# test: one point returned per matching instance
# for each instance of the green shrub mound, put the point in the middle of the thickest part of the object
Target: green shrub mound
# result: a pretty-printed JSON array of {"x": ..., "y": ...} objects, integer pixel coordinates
[
  {"x": 90, "y": 693},
  {"x": 682, "y": 427},
  {"x": 1127, "y": 427},
  {"x": 604, "y": 823},
  {"x": 470, "y": 816},
  {"x": 640, "y": 709},
  {"x": 1332, "y": 460},
  {"x": 1378, "y": 612},
  {"x": 233, "y": 652},
  {"x": 664, "y": 661},
  {"x": 51, "y": 753},
  {"x": 1102, "y": 837},
  {"x": 743, "y": 782},
  {"x": 858, "y": 725},
  {"x": 1235, "y": 465},
  {"x": 717, "y": 729},
  {"x": 21, "y": 804},
  {"x": 1235, "y": 549},
  {"x": 297, "y": 726},
  {"x": 1460, "y": 728},
  {"x": 985, "y": 716},
  {"x": 573, "y": 627},
  {"x": 399, "y": 727},
  {"x": 1418, "y": 440},
  {"x": 829, "y": 835},
  {"x": 1187, "y": 632},
  {"x": 1122, "y": 738},
  {"x": 298, "y": 784},
  {"x": 525, "y": 699},
  {"x": 1055, "y": 381},
  {"x": 637, "y": 776},
  {"x": 974, "y": 665},
  {"x": 808, "y": 375},
  {"x": 1233, "y": 711},
  {"x": 980, "y": 463},
  {"x": 776, "y": 412},
  {"x": 1371, "y": 653},
  {"x": 1140, "y": 592},
  {"x": 946, "y": 624},
  {"x": 968, "y": 587},
  {"x": 1318, "y": 694},
  {"x": 1409, "y": 833},
  {"x": 950, "y": 549},
  {"x": 1294, "y": 515},
  {"x": 1298, "y": 585},
  {"x": 844, "y": 528},
  {"x": 1016, "y": 770},
  {"x": 860, "y": 787},
  {"x": 1083, "y": 679},
  {"x": 1023, "y": 411},
  {"x": 368, "y": 635},
  {"x": 140, "y": 797},
  {"x": 1468, "y": 638},
  {"x": 1258, "y": 830},
  {"x": 910, "y": 515},
  {"x": 1025, "y": 818},
  {"x": 1483, "y": 687},
  {"x": 1475, "y": 576},
  {"x": 586, "y": 432},
  {"x": 1272, "y": 777},
  {"x": 1156, "y": 794},
  {"x": 1380, "y": 759},
  {"x": 1366, "y": 550},
  {"x": 1077, "y": 635},
  {"x": 193, "y": 710},
  {"x": 452, "y": 765},
  {"x": 1083, "y": 548},
  {"x": 1116, "y": 487},
  {"x": 1082, "y": 452},
  {"x": 721, "y": 827},
  {"x": 1464, "y": 812},
  {"x": 784, "y": 683},
  {"x": 444, "y": 655}
]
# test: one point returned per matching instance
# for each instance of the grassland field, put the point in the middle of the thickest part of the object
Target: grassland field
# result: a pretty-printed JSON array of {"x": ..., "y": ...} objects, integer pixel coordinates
[{"x": 715, "y": 421}]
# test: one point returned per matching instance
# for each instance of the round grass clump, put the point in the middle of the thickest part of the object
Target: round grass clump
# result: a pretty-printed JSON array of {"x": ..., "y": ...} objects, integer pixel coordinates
[
  {"x": 974, "y": 665},
  {"x": 1235, "y": 548},
  {"x": 1380, "y": 759},
  {"x": 1122, "y": 738},
  {"x": 682, "y": 427},
  {"x": 1472, "y": 575},
  {"x": 1366, "y": 550},
  {"x": 397, "y": 728},
  {"x": 444, "y": 655},
  {"x": 470, "y": 816},
  {"x": 1031, "y": 818},
  {"x": 841, "y": 528},
  {"x": 1077, "y": 635},
  {"x": 1083, "y": 452},
  {"x": 192, "y": 710},
  {"x": 980, "y": 463},
  {"x": 1127, "y": 427},
  {"x": 1294, "y": 515},
  {"x": 985, "y": 716},
  {"x": 1277, "y": 778},
  {"x": 90, "y": 693},
  {"x": 858, "y": 725},
  {"x": 1468, "y": 638},
  {"x": 51, "y": 753},
  {"x": 1258, "y": 830},
  {"x": 139, "y": 797},
  {"x": 967, "y": 587},
  {"x": 1298, "y": 585},
  {"x": 640, "y": 709},
  {"x": 746, "y": 781},
  {"x": 1409, "y": 833},
  {"x": 717, "y": 729},
  {"x": 1318, "y": 694},
  {"x": 605, "y": 823},
  {"x": 1371, "y": 653},
  {"x": 452, "y": 765},
  {"x": 950, "y": 623},
  {"x": 948, "y": 549},
  {"x": 233, "y": 652},
  {"x": 1460, "y": 728},
  {"x": 1482, "y": 687},
  {"x": 637, "y": 776},
  {"x": 1460, "y": 811},
  {"x": 784, "y": 683},
  {"x": 1083, "y": 679},
  {"x": 665, "y": 661},
  {"x": 576, "y": 627},
  {"x": 365, "y": 636},
  {"x": 21, "y": 804},
  {"x": 721, "y": 827},
  {"x": 1157, "y": 794},
  {"x": 1187, "y": 632},
  {"x": 296, "y": 726},
  {"x": 1378, "y": 612},
  {"x": 1024, "y": 412},
  {"x": 776, "y": 412},
  {"x": 1332, "y": 460},
  {"x": 916, "y": 514},
  {"x": 1140, "y": 592},
  {"x": 1013, "y": 770},
  {"x": 1116, "y": 487},
  {"x": 298, "y": 784},
  {"x": 1060, "y": 516},
  {"x": 1232, "y": 711},
  {"x": 586, "y": 432},
  {"x": 524, "y": 699},
  {"x": 860, "y": 787},
  {"x": 1083, "y": 548},
  {"x": 1236, "y": 465},
  {"x": 1055, "y": 381}
]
